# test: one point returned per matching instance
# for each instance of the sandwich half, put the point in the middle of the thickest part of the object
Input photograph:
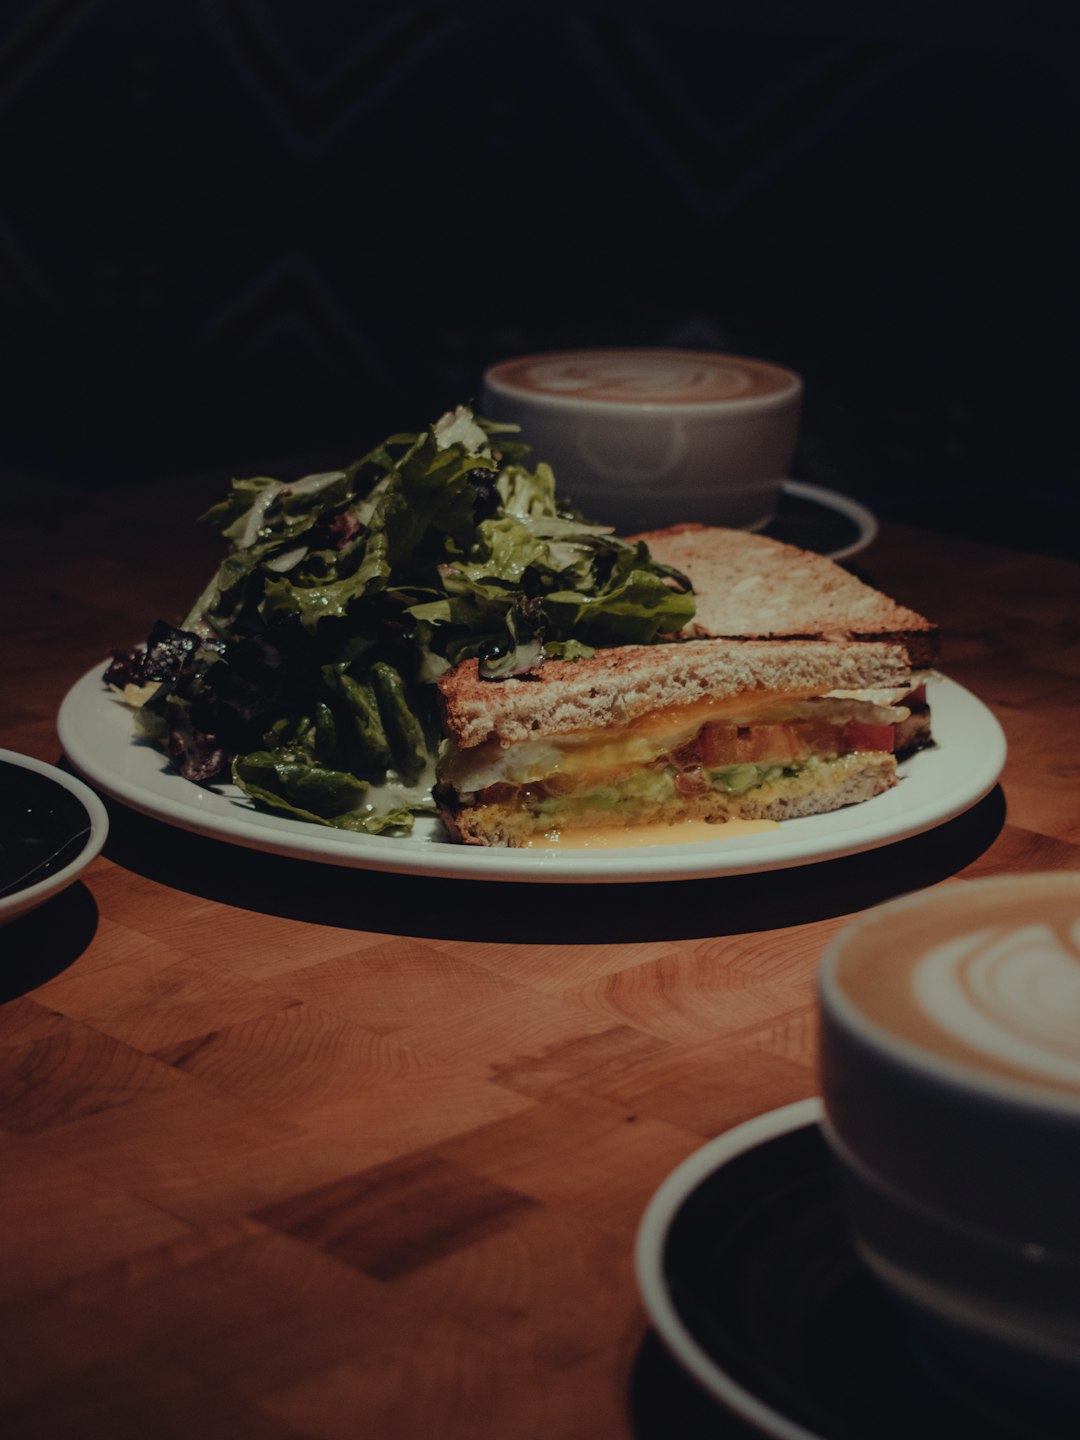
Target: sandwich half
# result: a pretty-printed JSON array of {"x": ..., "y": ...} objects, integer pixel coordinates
[
  {"x": 798, "y": 703},
  {"x": 650, "y": 734},
  {"x": 749, "y": 587}
]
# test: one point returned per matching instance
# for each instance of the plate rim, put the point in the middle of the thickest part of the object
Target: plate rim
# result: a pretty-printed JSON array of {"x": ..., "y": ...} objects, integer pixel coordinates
[
  {"x": 651, "y": 1241},
  {"x": 847, "y": 831},
  {"x": 31, "y": 896}
]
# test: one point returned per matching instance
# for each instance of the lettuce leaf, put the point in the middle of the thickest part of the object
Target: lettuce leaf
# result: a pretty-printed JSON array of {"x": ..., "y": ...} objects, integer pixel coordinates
[
  {"x": 344, "y": 594},
  {"x": 286, "y": 785}
]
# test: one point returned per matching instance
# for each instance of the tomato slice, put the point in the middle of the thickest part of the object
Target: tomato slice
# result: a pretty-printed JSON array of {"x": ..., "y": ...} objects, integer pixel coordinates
[
  {"x": 780, "y": 742},
  {"x": 857, "y": 735}
]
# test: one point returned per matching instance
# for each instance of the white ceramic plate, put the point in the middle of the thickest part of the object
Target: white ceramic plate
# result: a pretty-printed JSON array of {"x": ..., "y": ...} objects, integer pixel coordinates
[
  {"x": 97, "y": 733},
  {"x": 53, "y": 827}
]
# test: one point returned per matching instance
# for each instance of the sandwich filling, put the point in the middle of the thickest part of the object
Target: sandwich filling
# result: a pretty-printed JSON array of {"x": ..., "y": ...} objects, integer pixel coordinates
[{"x": 743, "y": 756}]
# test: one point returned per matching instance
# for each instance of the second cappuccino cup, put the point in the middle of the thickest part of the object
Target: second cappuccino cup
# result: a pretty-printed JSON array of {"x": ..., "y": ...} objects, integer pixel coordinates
[
  {"x": 648, "y": 438},
  {"x": 951, "y": 1081}
]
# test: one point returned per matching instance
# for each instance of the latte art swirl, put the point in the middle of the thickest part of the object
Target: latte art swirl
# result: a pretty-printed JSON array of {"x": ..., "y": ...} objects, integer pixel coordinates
[
  {"x": 651, "y": 379},
  {"x": 644, "y": 377},
  {"x": 1012, "y": 994},
  {"x": 984, "y": 974}
]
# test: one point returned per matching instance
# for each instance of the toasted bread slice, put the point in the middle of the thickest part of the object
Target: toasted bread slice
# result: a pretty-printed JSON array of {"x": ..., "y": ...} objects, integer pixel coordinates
[
  {"x": 615, "y": 687},
  {"x": 749, "y": 587}
]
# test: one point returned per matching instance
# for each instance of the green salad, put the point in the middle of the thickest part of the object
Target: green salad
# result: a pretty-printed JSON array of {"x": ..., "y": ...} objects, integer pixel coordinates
[{"x": 305, "y": 670}]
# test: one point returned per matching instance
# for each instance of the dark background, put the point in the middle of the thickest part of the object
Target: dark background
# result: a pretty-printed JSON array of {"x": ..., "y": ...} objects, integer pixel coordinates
[{"x": 244, "y": 233}]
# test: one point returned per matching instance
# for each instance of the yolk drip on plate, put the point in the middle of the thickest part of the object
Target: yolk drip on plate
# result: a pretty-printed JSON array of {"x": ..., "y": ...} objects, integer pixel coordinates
[{"x": 684, "y": 832}]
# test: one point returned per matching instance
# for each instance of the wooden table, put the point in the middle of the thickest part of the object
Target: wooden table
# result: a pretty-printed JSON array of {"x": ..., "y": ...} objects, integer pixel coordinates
[{"x": 293, "y": 1151}]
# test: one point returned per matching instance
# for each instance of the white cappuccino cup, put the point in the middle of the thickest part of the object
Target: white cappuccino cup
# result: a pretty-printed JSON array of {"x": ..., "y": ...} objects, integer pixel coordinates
[
  {"x": 951, "y": 1080},
  {"x": 643, "y": 439}
]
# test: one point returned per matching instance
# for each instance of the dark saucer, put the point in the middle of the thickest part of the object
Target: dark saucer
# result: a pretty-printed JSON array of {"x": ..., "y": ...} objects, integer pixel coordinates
[
  {"x": 779, "y": 1319},
  {"x": 824, "y": 521},
  {"x": 42, "y": 827},
  {"x": 51, "y": 827}
]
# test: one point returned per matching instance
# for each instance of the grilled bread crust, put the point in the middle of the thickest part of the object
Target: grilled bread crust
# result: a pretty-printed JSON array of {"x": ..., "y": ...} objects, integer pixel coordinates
[
  {"x": 755, "y": 588},
  {"x": 857, "y": 777},
  {"x": 616, "y": 686}
]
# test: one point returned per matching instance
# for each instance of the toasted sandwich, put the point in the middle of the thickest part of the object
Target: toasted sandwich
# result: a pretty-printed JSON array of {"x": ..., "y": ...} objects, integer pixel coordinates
[
  {"x": 794, "y": 692},
  {"x": 749, "y": 587}
]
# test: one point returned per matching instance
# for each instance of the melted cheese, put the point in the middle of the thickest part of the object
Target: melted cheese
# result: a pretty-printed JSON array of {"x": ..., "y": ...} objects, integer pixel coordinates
[
  {"x": 682, "y": 722},
  {"x": 681, "y": 832},
  {"x": 599, "y": 752}
]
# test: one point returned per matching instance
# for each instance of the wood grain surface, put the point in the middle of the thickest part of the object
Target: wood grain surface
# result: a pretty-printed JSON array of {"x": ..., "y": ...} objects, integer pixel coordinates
[{"x": 292, "y": 1151}]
